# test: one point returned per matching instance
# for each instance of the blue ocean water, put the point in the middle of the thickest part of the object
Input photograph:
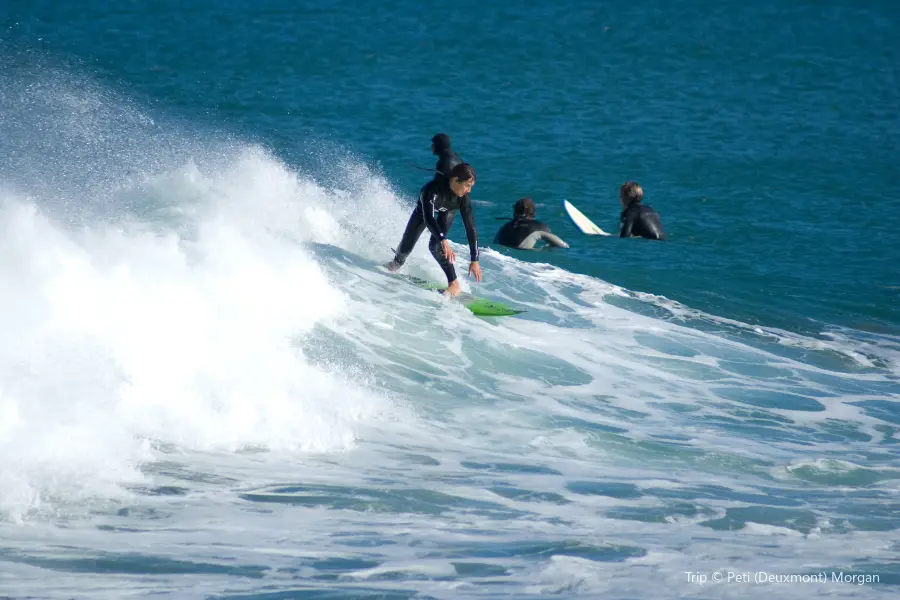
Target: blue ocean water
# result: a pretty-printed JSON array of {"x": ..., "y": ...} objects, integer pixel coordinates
[{"x": 208, "y": 389}]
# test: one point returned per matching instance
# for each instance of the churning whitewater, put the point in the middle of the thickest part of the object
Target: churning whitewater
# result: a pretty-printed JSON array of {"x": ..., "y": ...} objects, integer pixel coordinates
[{"x": 209, "y": 388}]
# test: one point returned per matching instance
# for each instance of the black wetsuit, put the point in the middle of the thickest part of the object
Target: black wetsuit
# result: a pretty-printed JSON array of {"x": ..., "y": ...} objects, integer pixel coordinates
[
  {"x": 435, "y": 210},
  {"x": 514, "y": 232},
  {"x": 447, "y": 159},
  {"x": 642, "y": 221}
]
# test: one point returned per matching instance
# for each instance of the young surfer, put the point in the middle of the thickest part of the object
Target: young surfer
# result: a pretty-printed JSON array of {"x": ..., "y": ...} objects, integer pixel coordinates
[{"x": 438, "y": 202}]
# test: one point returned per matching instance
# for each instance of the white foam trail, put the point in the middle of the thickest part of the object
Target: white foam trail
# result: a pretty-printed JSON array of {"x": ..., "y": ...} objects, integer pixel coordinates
[{"x": 118, "y": 336}]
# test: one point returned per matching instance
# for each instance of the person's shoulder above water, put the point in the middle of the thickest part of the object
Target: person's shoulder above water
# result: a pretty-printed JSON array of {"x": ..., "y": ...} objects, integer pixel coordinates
[
  {"x": 523, "y": 231},
  {"x": 638, "y": 219},
  {"x": 447, "y": 158}
]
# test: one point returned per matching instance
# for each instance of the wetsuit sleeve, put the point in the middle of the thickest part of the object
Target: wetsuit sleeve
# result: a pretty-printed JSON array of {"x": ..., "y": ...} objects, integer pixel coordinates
[
  {"x": 426, "y": 205},
  {"x": 627, "y": 223},
  {"x": 468, "y": 216}
]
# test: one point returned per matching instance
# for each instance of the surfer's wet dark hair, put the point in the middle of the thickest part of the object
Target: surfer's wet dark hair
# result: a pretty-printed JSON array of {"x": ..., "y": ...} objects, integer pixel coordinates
[
  {"x": 524, "y": 208},
  {"x": 631, "y": 192},
  {"x": 463, "y": 172}
]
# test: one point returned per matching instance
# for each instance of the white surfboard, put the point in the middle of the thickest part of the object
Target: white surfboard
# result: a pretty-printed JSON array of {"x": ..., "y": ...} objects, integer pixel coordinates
[{"x": 582, "y": 222}]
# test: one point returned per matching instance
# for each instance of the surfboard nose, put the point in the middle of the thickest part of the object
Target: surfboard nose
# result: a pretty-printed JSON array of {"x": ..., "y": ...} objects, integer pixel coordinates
[{"x": 583, "y": 224}]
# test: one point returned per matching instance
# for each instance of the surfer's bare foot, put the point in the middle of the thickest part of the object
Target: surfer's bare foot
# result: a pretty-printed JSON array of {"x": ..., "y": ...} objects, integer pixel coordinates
[
  {"x": 453, "y": 289},
  {"x": 392, "y": 266}
]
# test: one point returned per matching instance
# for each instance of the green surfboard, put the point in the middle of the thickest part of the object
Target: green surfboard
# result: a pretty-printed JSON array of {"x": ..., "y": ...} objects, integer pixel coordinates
[{"x": 479, "y": 306}]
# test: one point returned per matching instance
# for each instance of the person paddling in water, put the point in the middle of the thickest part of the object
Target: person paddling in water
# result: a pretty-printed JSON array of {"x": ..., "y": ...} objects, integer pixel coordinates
[
  {"x": 638, "y": 220},
  {"x": 524, "y": 231},
  {"x": 438, "y": 202}
]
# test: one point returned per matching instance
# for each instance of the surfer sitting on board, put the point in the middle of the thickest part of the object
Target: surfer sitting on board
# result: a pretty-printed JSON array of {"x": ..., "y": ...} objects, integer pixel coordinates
[
  {"x": 439, "y": 199},
  {"x": 447, "y": 158},
  {"x": 523, "y": 232},
  {"x": 638, "y": 220}
]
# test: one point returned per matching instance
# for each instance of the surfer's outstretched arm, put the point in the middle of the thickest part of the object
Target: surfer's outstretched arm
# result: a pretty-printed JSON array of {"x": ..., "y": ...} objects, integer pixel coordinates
[
  {"x": 468, "y": 217},
  {"x": 465, "y": 207},
  {"x": 536, "y": 236}
]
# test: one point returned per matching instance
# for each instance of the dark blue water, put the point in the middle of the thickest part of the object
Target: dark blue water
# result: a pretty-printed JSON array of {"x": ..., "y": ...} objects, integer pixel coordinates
[{"x": 766, "y": 135}]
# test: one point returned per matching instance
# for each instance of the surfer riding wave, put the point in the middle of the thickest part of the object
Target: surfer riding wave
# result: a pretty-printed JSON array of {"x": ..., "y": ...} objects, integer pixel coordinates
[{"x": 438, "y": 202}]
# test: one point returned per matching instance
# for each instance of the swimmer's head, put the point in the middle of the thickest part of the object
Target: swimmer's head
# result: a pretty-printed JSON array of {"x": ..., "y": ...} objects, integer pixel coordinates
[
  {"x": 439, "y": 143},
  {"x": 462, "y": 179},
  {"x": 630, "y": 193},
  {"x": 524, "y": 209}
]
